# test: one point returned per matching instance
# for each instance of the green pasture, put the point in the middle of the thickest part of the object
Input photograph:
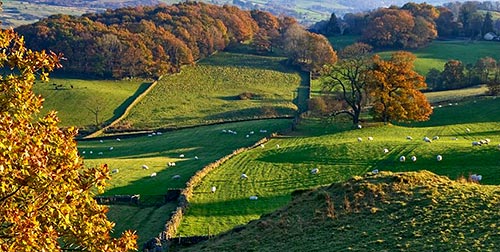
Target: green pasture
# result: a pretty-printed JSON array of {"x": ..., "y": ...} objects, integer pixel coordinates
[
  {"x": 274, "y": 172},
  {"x": 128, "y": 155},
  {"x": 75, "y": 99},
  {"x": 208, "y": 92},
  {"x": 436, "y": 54}
]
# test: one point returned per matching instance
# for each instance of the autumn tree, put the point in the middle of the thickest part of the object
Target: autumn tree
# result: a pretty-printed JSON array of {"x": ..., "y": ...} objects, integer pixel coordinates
[
  {"x": 394, "y": 89},
  {"x": 347, "y": 79},
  {"x": 46, "y": 193},
  {"x": 453, "y": 76}
]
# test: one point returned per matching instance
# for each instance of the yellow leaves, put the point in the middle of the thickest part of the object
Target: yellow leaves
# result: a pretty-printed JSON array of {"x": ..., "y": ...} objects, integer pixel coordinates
[{"x": 47, "y": 196}]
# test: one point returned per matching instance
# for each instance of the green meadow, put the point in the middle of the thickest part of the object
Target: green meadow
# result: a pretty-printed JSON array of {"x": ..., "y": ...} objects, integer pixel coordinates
[
  {"x": 128, "y": 155},
  {"x": 283, "y": 165},
  {"x": 210, "y": 92},
  {"x": 75, "y": 99}
]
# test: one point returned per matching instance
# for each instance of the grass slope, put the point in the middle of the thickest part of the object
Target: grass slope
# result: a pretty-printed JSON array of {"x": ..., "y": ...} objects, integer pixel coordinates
[
  {"x": 415, "y": 211},
  {"x": 208, "y": 92},
  {"x": 274, "y": 173},
  {"x": 73, "y": 104},
  {"x": 129, "y": 154}
]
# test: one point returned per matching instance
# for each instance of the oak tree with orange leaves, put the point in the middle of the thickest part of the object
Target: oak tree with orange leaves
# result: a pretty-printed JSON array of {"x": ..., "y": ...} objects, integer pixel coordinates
[
  {"x": 46, "y": 193},
  {"x": 394, "y": 89}
]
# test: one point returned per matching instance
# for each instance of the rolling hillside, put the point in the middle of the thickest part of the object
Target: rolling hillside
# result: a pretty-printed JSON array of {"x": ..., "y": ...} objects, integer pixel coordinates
[
  {"x": 414, "y": 211},
  {"x": 283, "y": 165}
]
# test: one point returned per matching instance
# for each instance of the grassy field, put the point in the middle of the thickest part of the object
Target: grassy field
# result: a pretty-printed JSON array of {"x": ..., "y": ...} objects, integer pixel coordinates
[
  {"x": 436, "y": 54},
  {"x": 128, "y": 155},
  {"x": 273, "y": 173},
  {"x": 74, "y": 99},
  {"x": 415, "y": 211},
  {"x": 208, "y": 92}
]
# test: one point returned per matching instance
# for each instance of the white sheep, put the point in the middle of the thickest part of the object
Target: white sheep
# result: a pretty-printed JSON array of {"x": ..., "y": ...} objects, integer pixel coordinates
[
  {"x": 467, "y": 130},
  {"x": 145, "y": 167},
  {"x": 498, "y": 147},
  {"x": 100, "y": 153},
  {"x": 439, "y": 158},
  {"x": 375, "y": 171},
  {"x": 153, "y": 174},
  {"x": 435, "y": 138},
  {"x": 476, "y": 178},
  {"x": 277, "y": 146},
  {"x": 90, "y": 152},
  {"x": 253, "y": 197},
  {"x": 213, "y": 189},
  {"x": 149, "y": 135},
  {"x": 154, "y": 133},
  {"x": 224, "y": 131},
  {"x": 115, "y": 171},
  {"x": 196, "y": 157},
  {"x": 413, "y": 158},
  {"x": 409, "y": 138},
  {"x": 158, "y": 133},
  {"x": 247, "y": 136},
  {"x": 251, "y": 132},
  {"x": 111, "y": 148},
  {"x": 263, "y": 131},
  {"x": 359, "y": 126},
  {"x": 315, "y": 171},
  {"x": 360, "y": 139},
  {"x": 101, "y": 141},
  {"x": 454, "y": 138},
  {"x": 262, "y": 145},
  {"x": 243, "y": 176},
  {"x": 402, "y": 159},
  {"x": 118, "y": 139},
  {"x": 370, "y": 138},
  {"x": 83, "y": 152},
  {"x": 428, "y": 140},
  {"x": 386, "y": 151},
  {"x": 171, "y": 163},
  {"x": 176, "y": 176},
  {"x": 181, "y": 155},
  {"x": 476, "y": 143}
]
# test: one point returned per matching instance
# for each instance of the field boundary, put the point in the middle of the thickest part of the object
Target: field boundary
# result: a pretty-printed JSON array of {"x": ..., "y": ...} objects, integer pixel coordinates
[{"x": 126, "y": 112}]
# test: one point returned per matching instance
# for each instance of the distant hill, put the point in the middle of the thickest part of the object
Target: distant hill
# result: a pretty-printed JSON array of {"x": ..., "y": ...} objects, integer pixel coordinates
[
  {"x": 18, "y": 12},
  {"x": 412, "y": 211}
]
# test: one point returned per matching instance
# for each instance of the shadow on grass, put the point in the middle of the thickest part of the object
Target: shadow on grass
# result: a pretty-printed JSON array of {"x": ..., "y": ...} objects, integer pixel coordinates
[{"x": 121, "y": 109}]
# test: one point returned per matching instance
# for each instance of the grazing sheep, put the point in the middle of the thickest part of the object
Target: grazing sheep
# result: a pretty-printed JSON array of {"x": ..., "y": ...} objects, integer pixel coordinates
[
  {"x": 375, "y": 171},
  {"x": 409, "y": 138},
  {"x": 153, "y": 174},
  {"x": 432, "y": 107},
  {"x": 370, "y": 138},
  {"x": 435, "y": 138},
  {"x": 196, "y": 157},
  {"x": 158, "y": 133},
  {"x": 224, "y": 131},
  {"x": 360, "y": 139},
  {"x": 83, "y": 152},
  {"x": 413, "y": 158},
  {"x": 439, "y": 158},
  {"x": 386, "y": 150},
  {"x": 428, "y": 140},
  {"x": 454, "y": 138},
  {"x": 154, "y": 133},
  {"x": 115, "y": 171},
  {"x": 315, "y": 171},
  {"x": 213, "y": 189},
  {"x": 145, "y": 167},
  {"x": 277, "y": 146},
  {"x": 247, "y": 136},
  {"x": 487, "y": 140},
  {"x": 176, "y": 176},
  {"x": 251, "y": 132},
  {"x": 118, "y": 139},
  {"x": 359, "y": 126},
  {"x": 90, "y": 152},
  {"x": 243, "y": 176},
  {"x": 100, "y": 153},
  {"x": 262, "y": 145},
  {"x": 476, "y": 143},
  {"x": 171, "y": 163},
  {"x": 440, "y": 106},
  {"x": 475, "y": 178},
  {"x": 467, "y": 130},
  {"x": 149, "y": 135},
  {"x": 402, "y": 159},
  {"x": 181, "y": 155},
  {"x": 263, "y": 131},
  {"x": 111, "y": 148},
  {"x": 101, "y": 141},
  {"x": 253, "y": 197}
]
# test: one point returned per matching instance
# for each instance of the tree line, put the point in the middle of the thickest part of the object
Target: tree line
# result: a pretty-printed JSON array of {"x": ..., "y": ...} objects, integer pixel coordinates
[
  {"x": 414, "y": 25},
  {"x": 149, "y": 41}
]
